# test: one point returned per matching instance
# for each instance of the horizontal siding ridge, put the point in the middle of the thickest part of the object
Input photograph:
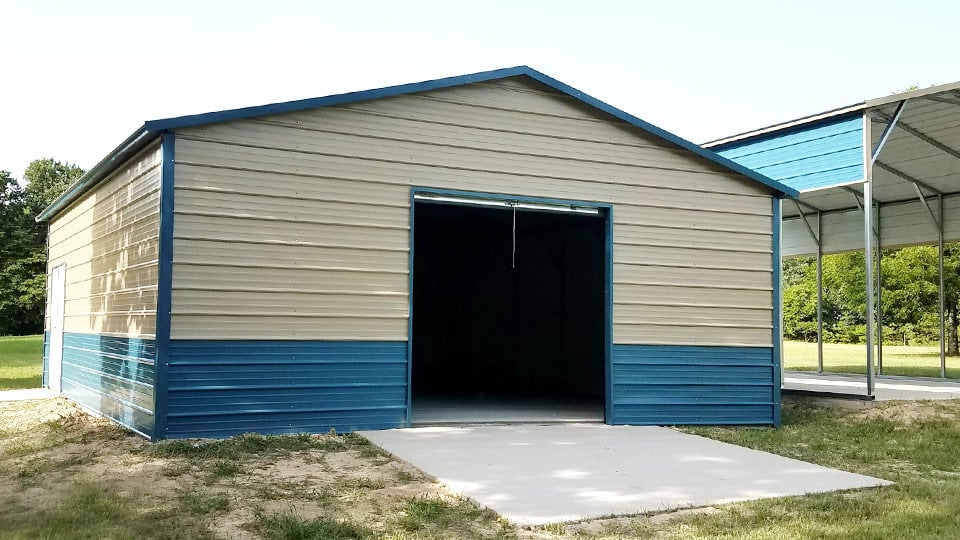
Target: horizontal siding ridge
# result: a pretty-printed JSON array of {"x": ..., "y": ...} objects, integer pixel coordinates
[
  {"x": 207, "y": 189},
  {"x": 116, "y": 271},
  {"x": 398, "y": 183},
  {"x": 249, "y": 217},
  {"x": 290, "y": 314},
  {"x": 446, "y": 166},
  {"x": 103, "y": 196},
  {"x": 687, "y": 304},
  {"x": 729, "y": 382},
  {"x": 693, "y": 324},
  {"x": 292, "y": 267},
  {"x": 115, "y": 356},
  {"x": 580, "y": 158},
  {"x": 239, "y": 412},
  {"x": 711, "y": 248},
  {"x": 298, "y": 290},
  {"x": 695, "y": 228},
  {"x": 299, "y": 243},
  {"x": 112, "y": 292},
  {"x": 691, "y": 285},
  {"x": 687, "y": 265},
  {"x": 585, "y": 119},
  {"x": 370, "y": 112},
  {"x": 218, "y": 388},
  {"x": 101, "y": 374},
  {"x": 100, "y": 238},
  {"x": 684, "y": 403}
]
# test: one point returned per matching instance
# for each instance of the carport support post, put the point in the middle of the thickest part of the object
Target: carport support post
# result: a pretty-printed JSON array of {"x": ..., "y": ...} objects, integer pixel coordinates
[
  {"x": 868, "y": 244},
  {"x": 879, "y": 296},
  {"x": 943, "y": 350},
  {"x": 820, "y": 293}
]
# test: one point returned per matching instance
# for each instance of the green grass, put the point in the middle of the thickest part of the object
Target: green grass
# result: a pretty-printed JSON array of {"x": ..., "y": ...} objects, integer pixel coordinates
[
  {"x": 912, "y": 444},
  {"x": 290, "y": 526},
  {"x": 21, "y": 362},
  {"x": 94, "y": 511},
  {"x": 911, "y": 361}
]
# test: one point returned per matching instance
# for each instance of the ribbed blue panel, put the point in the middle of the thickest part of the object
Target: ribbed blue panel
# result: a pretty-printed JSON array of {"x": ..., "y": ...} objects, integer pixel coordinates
[
  {"x": 46, "y": 360},
  {"x": 112, "y": 376},
  {"x": 222, "y": 388},
  {"x": 685, "y": 384},
  {"x": 815, "y": 156}
]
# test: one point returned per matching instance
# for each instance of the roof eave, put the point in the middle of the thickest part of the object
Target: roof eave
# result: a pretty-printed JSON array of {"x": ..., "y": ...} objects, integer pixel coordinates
[
  {"x": 150, "y": 129},
  {"x": 137, "y": 141}
]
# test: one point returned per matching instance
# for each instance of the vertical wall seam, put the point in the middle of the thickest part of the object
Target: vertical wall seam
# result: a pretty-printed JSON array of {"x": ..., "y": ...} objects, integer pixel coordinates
[
  {"x": 777, "y": 379},
  {"x": 164, "y": 284}
]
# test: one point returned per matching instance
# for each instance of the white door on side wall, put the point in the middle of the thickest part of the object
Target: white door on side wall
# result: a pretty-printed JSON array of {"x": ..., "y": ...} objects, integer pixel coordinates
[{"x": 58, "y": 285}]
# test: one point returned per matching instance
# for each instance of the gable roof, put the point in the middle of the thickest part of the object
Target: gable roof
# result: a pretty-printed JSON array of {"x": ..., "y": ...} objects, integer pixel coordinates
[{"x": 151, "y": 129}]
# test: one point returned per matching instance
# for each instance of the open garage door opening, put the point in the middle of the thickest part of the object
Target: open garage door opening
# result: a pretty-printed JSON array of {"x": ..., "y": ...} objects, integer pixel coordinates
[{"x": 509, "y": 313}]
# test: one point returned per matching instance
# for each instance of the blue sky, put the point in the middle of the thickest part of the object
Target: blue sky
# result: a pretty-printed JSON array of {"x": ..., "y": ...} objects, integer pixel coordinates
[{"x": 81, "y": 76}]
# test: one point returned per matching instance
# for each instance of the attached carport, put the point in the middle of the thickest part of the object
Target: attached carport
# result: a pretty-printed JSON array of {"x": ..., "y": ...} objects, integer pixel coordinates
[{"x": 883, "y": 173}]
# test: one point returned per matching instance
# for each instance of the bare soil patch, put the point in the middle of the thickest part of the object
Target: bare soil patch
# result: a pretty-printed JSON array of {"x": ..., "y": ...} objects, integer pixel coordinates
[{"x": 908, "y": 412}]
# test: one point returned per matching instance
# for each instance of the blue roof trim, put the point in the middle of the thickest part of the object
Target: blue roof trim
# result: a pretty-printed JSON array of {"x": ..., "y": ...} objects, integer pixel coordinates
[{"x": 152, "y": 128}]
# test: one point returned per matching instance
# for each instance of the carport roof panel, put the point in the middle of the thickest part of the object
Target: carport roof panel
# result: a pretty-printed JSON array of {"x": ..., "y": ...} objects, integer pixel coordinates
[
  {"x": 151, "y": 129},
  {"x": 924, "y": 146}
]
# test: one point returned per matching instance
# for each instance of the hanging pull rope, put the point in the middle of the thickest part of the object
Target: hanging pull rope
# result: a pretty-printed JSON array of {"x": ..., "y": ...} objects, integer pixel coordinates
[{"x": 513, "y": 254}]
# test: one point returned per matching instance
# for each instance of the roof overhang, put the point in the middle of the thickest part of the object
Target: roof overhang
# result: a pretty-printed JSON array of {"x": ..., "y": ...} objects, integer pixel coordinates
[
  {"x": 913, "y": 157},
  {"x": 153, "y": 128}
]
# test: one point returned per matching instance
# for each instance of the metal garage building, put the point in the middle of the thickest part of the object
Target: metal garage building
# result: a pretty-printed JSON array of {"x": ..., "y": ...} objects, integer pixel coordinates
[
  {"x": 331, "y": 261},
  {"x": 883, "y": 173}
]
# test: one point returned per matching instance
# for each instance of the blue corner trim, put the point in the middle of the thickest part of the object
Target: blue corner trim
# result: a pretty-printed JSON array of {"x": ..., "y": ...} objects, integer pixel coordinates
[
  {"x": 409, "y": 416},
  {"x": 608, "y": 345},
  {"x": 777, "y": 336},
  {"x": 152, "y": 128},
  {"x": 164, "y": 284}
]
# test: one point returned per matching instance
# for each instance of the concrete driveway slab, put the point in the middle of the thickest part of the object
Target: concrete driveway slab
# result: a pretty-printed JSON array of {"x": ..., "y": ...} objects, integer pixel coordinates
[{"x": 536, "y": 474}]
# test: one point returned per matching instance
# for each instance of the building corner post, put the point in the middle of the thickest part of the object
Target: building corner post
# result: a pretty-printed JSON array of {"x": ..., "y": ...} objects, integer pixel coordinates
[
  {"x": 164, "y": 285},
  {"x": 868, "y": 246}
]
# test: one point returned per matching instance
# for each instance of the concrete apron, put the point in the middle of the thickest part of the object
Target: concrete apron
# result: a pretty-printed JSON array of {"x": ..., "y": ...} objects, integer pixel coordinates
[{"x": 536, "y": 474}]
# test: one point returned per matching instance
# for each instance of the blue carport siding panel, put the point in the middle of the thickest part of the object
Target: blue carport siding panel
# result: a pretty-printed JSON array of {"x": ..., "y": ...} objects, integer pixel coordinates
[
  {"x": 808, "y": 157},
  {"x": 112, "y": 376},
  {"x": 671, "y": 385},
  {"x": 223, "y": 388}
]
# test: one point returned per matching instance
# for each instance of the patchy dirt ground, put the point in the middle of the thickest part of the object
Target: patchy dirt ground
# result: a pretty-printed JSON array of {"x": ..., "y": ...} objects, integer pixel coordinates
[
  {"x": 66, "y": 474},
  {"x": 908, "y": 412}
]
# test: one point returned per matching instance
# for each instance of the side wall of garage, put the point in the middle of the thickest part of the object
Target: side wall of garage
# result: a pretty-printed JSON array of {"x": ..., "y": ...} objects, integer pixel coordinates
[
  {"x": 290, "y": 298},
  {"x": 108, "y": 240}
]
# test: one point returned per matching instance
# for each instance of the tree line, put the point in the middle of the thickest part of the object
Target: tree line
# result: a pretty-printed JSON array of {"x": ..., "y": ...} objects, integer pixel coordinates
[
  {"x": 909, "y": 290},
  {"x": 23, "y": 242}
]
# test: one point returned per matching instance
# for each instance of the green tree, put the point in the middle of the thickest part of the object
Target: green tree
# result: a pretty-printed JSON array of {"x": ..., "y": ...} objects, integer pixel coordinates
[{"x": 23, "y": 242}]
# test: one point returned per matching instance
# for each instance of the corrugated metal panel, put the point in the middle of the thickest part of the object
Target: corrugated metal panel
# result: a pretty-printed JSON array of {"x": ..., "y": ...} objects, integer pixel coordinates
[
  {"x": 323, "y": 195},
  {"x": 46, "y": 359},
  {"x": 112, "y": 376},
  {"x": 109, "y": 240},
  {"x": 222, "y": 388},
  {"x": 813, "y": 156},
  {"x": 692, "y": 385},
  {"x": 901, "y": 224}
]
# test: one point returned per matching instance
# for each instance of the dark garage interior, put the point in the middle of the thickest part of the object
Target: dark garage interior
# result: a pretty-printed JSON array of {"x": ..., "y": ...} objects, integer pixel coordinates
[{"x": 508, "y": 307}]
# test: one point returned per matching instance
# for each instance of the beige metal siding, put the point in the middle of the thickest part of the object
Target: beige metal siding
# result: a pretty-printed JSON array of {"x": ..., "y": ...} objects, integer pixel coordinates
[
  {"x": 296, "y": 226},
  {"x": 109, "y": 240}
]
